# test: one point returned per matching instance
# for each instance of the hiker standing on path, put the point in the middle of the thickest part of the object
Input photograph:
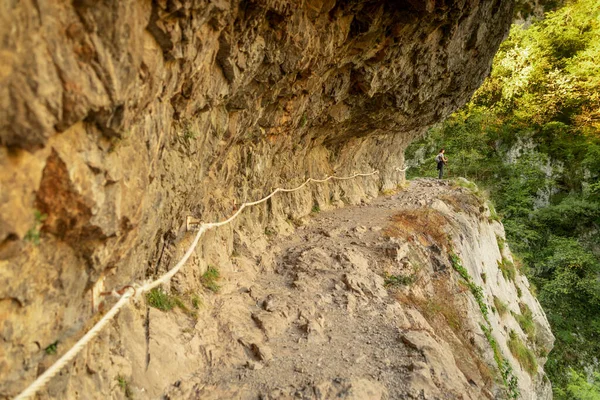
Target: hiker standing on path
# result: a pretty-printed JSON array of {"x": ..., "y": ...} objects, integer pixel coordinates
[{"x": 441, "y": 161}]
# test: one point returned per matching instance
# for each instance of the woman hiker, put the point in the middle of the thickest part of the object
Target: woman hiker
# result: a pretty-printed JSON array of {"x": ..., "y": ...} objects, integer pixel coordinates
[{"x": 441, "y": 161}]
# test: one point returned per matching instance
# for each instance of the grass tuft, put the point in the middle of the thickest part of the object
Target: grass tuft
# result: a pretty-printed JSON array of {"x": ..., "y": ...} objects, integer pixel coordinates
[
  {"x": 472, "y": 187},
  {"x": 508, "y": 269},
  {"x": 196, "y": 301},
  {"x": 179, "y": 303},
  {"x": 501, "y": 306},
  {"x": 209, "y": 279},
  {"x": 501, "y": 243},
  {"x": 124, "y": 385},
  {"x": 398, "y": 280},
  {"x": 158, "y": 299},
  {"x": 493, "y": 214},
  {"x": 448, "y": 311},
  {"x": 467, "y": 184},
  {"x": 522, "y": 353},
  {"x": 525, "y": 320}
]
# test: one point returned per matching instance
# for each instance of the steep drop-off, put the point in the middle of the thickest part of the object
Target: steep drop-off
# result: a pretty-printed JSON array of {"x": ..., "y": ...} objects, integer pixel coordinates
[{"x": 120, "y": 119}]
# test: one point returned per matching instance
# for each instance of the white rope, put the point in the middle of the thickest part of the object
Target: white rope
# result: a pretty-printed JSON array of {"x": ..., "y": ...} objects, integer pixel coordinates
[
  {"x": 401, "y": 169},
  {"x": 43, "y": 379}
]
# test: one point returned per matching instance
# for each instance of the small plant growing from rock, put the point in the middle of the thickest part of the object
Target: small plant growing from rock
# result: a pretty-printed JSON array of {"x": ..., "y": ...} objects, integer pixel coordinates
[
  {"x": 472, "y": 187},
  {"x": 158, "y": 299},
  {"x": 540, "y": 347},
  {"x": 166, "y": 302},
  {"x": 493, "y": 214},
  {"x": 434, "y": 307},
  {"x": 179, "y": 303},
  {"x": 501, "y": 243},
  {"x": 188, "y": 132},
  {"x": 51, "y": 349},
  {"x": 500, "y": 306},
  {"x": 533, "y": 289},
  {"x": 189, "y": 135},
  {"x": 522, "y": 353},
  {"x": 484, "y": 277},
  {"x": 508, "y": 377},
  {"x": 124, "y": 385},
  {"x": 506, "y": 371},
  {"x": 397, "y": 280},
  {"x": 476, "y": 290},
  {"x": 303, "y": 120},
  {"x": 33, "y": 234},
  {"x": 196, "y": 301},
  {"x": 316, "y": 209},
  {"x": 209, "y": 279},
  {"x": 525, "y": 320},
  {"x": 508, "y": 269}
]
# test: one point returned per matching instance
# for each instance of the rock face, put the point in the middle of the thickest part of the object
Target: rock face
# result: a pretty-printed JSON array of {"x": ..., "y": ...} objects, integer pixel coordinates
[{"x": 120, "y": 119}]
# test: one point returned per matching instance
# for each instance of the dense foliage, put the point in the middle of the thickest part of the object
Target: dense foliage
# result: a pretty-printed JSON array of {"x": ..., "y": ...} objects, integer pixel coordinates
[{"x": 531, "y": 137}]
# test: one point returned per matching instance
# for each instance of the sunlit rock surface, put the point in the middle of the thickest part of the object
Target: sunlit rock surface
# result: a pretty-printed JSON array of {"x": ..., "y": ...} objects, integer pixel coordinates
[{"x": 120, "y": 119}]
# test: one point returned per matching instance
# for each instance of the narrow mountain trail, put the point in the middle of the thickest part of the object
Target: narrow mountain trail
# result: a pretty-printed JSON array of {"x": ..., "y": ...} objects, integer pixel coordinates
[{"x": 324, "y": 322}]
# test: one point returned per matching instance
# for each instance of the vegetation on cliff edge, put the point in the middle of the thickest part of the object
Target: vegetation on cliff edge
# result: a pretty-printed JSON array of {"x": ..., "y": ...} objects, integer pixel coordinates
[{"x": 531, "y": 137}]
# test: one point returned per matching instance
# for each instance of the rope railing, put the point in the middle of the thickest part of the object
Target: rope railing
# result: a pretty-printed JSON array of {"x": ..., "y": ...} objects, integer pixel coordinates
[{"x": 137, "y": 290}]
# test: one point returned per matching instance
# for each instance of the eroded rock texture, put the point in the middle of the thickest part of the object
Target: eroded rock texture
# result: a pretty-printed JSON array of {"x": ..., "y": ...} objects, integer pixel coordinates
[
  {"x": 364, "y": 303},
  {"x": 120, "y": 118}
]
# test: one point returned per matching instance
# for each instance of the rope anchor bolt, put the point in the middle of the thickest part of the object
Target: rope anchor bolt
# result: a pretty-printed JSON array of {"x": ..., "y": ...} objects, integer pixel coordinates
[{"x": 192, "y": 224}]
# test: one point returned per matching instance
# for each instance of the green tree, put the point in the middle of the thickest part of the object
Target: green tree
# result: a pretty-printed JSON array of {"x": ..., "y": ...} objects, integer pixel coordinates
[{"x": 531, "y": 138}]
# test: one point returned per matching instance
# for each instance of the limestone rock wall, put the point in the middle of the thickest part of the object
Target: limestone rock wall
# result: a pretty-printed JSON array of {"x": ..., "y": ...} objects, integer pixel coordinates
[
  {"x": 119, "y": 119},
  {"x": 480, "y": 243}
]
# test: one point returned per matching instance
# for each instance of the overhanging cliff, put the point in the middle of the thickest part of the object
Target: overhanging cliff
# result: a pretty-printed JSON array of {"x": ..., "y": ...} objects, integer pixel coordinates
[{"x": 120, "y": 119}]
